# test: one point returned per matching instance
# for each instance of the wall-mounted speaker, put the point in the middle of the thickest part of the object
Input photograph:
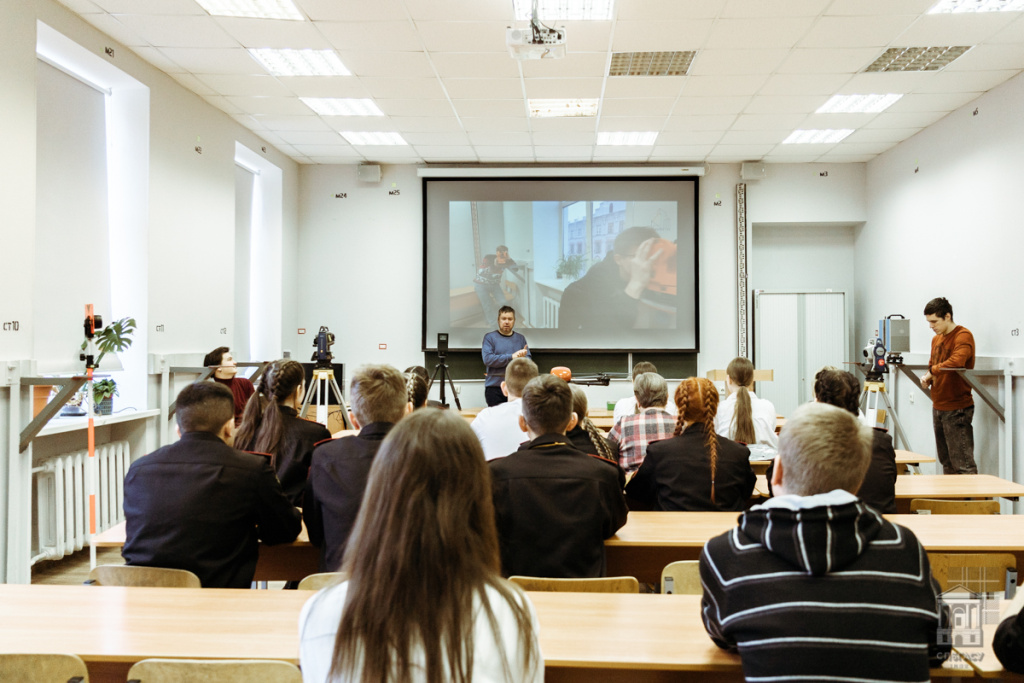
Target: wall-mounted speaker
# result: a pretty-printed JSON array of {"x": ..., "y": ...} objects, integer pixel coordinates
[
  {"x": 752, "y": 170},
  {"x": 369, "y": 173}
]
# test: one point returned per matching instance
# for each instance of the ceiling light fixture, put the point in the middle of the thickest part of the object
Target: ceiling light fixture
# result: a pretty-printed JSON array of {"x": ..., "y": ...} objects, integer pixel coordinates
[
  {"x": 817, "y": 137},
  {"x": 372, "y": 138},
  {"x": 650, "y": 63},
  {"x": 858, "y": 104},
  {"x": 916, "y": 58},
  {"x": 569, "y": 10},
  {"x": 342, "y": 106},
  {"x": 254, "y": 9},
  {"x": 964, "y": 6},
  {"x": 541, "y": 109},
  {"x": 628, "y": 138},
  {"x": 289, "y": 62}
]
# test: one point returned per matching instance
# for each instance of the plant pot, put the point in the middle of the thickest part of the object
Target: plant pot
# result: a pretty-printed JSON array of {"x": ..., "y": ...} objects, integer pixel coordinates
[
  {"x": 105, "y": 406},
  {"x": 40, "y": 397}
]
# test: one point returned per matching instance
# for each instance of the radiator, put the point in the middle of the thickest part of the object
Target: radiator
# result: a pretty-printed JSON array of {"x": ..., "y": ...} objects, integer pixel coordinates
[
  {"x": 62, "y": 502},
  {"x": 550, "y": 312}
]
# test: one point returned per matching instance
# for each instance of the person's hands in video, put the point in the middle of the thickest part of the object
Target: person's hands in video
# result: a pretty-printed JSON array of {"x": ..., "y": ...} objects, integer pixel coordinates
[{"x": 641, "y": 268}]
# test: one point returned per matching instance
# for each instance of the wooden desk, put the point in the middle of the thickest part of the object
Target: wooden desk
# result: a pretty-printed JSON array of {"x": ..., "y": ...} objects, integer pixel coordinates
[
  {"x": 650, "y": 540},
  {"x": 284, "y": 562},
  {"x": 583, "y": 636},
  {"x": 904, "y": 459}
]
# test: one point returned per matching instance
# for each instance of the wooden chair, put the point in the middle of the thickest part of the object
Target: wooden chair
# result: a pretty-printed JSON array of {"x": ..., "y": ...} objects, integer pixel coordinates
[
  {"x": 955, "y": 507},
  {"x": 37, "y": 668},
  {"x": 208, "y": 670},
  {"x": 682, "y": 578},
  {"x": 315, "y": 582},
  {"x": 975, "y": 572},
  {"x": 609, "y": 584},
  {"x": 152, "y": 577}
]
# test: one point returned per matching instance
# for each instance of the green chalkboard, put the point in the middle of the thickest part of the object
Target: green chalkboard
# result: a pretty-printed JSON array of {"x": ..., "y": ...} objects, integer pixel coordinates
[{"x": 671, "y": 365}]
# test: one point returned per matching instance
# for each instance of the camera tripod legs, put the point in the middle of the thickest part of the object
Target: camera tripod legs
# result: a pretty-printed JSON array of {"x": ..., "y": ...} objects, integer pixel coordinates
[
  {"x": 442, "y": 369},
  {"x": 326, "y": 377}
]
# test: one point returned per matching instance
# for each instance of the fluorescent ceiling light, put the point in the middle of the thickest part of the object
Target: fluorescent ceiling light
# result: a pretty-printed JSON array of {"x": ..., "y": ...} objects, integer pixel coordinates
[
  {"x": 570, "y": 10},
  {"x": 257, "y": 9},
  {"x": 962, "y": 6},
  {"x": 916, "y": 58},
  {"x": 650, "y": 63},
  {"x": 626, "y": 138},
  {"x": 340, "y": 106},
  {"x": 859, "y": 104},
  {"x": 372, "y": 138},
  {"x": 540, "y": 109},
  {"x": 290, "y": 62},
  {"x": 816, "y": 137}
]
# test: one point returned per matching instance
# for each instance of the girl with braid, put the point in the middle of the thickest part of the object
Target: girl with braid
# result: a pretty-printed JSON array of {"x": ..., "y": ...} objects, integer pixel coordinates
[
  {"x": 697, "y": 469},
  {"x": 271, "y": 425},
  {"x": 585, "y": 436},
  {"x": 416, "y": 388}
]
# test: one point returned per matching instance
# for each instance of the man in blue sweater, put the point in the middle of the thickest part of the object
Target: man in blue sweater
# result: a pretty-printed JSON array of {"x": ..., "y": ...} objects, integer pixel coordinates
[{"x": 499, "y": 348}]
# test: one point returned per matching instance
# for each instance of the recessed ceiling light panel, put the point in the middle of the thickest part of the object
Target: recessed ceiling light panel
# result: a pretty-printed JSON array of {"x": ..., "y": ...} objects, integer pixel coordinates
[
  {"x": 568, "y": 10},
  {"x": 817, "y": 137},
  {"x": 340, "y": 106},
  {"x": 964, "y": 6},
  {"x": 859, "y": 104},
  {"x": 541, "y": 109},
  {"x": 628, "y": 138},
  {"x": 290, "y": 62},
  {"x": 373, "y": 138},
  {"x": 256, "y": 9},
  {"x": 650, "y": 63},
  {"x": 916, "y": 58}
]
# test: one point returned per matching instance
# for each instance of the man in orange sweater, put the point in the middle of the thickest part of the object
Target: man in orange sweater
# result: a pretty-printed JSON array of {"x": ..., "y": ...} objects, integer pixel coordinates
[{"x": 952, "y": 403}]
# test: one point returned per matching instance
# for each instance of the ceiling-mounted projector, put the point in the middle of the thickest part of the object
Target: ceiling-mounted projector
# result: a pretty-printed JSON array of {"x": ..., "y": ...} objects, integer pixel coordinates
[{"x": 535, "y": 42}]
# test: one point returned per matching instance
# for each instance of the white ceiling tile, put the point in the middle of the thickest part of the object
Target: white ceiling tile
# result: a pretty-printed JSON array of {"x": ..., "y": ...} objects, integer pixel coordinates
[
  {"x": 225, "y": 105},
  {"x": 1014, "y": 33},
  {"x": 887, "y": 82},
  {"x": 483, "y": 88},
  {"x": 588, "y": 36},
  {"x": 271, "y": 138},
  {"x": 660, "y": 10},
  {"x": 214, "y": 60},
  {"x": 911, "y": 120},
  {"x": 468, "y": 10},
  {"x": 834, "y": 121},
  {"x": 882, "y": 134},
  {"x": 929, "y": 102},
  {"x": 497, "y": 124},
  {"x": 475, "y": 65},
  {"x": 553, "y": 88},
  {"x": 388, "y": 64},
  {"x": 377, "y": 36},
  {"x": 723, "y": 86},
  {"x": 486, "y": 152},
  {"x": 767, "y": 121},
  {"x": 681, "y": 152},
  {"x": 804, "y": 84},
  {"x": 337, "y": 151},
  {"x": 361, "y": 123},
  {"x": 836, "y": 157},
  {"x": 113, "y": 27},
  {"x": 644, "y": 86},
  {"x": 990, "y": 58},
  {"x": 828, "y": 60},
  {"x": 244, "y": 85},
  {"x": 403, "y": 88},
  {"x": 790, "y": 158},
  {"x": 864, "y": 147},
  {"x": 759, "y": 32},
  {"x": 622, "y": 153},
  {"x": 472, "y": 108},
  {"x": 463, "y": 36},
  {"x": 498, "y": 139},
  {"x": 254, "y": 124},
  {"x": 873, "y": 8},
  {"x": 637, "y": 124},
  {"x": 389, "y": 152},
  {"x": 678, "y": 138},
  {"x": 415, "y": 107},
  {"x": 833, "y": 32},
  {"x": 559, "y": 125},
  {"x": 705, "y": 106},
  {"x": 587, "y": 64},
  {"x": 774, "y": 8},
  {"x": 326, "y": 86},
  {"x": 178, "y": 31},
  {"x": 741, "y": 152},
  {"x": 161, "y": 7},
  {"x": 197, "y": 86},
  {"x": 270, "y": 106},
  {"x": 637, "y": 107},
  {"x": 431, "y": 124},
  {"x": 447, "y": 152},
  {"x": 437, "y": 139},
  {"x": 802, "y": 150},
  {"x": 82, "y": 6},
  {"x": 737, "y": 62},
  {"x": 961, "y": 81},
  {"x": 654, "y": 36},
  {"x": 158, "y": 59},
  {"x": 276, "y": 33},
  {"x": 568, "y": 152},
  {"x": 754, "y": 137},
  {"x": 720, "y": 122},
  {"x": 954, "y": 29},
  {"x": 567, "y": 138},
  {"x": 302, "y": 137},
  {"x": 279, "y": 123},
  {"x": 784, "y": 104},
  {"x": 351, "y": 10}
]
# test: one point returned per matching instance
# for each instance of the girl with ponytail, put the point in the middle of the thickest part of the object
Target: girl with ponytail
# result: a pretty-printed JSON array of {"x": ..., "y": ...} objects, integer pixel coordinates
[
  {"x": 696, "y": 469},
  {"x": 585, "y": 436},
  {"x": 742, "y": 416},
  {"x": 271, "y": 425}
]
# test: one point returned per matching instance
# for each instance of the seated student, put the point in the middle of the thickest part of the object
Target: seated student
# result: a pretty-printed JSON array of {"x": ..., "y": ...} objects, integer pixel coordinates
[
  {"x": 1008, "y": 642},
  {"x": 653, "y": 423},
  {"x": 199, "y": 504},
  {"x": 497, "y": 427},
  {"x": 627, "y": 406},
  {"x": 226, "y": 369},
  {"x": 697, "y": 469},
  {"x": 585, "y": 435},
  {"x": 271, "y": 425},
  {"x": 815, "y": 584},
  {"x": 423, "y": 600},
  {"x": 742, "y": 416},
  {"x": 340, "y": 467},
  {"x": 554, "y": 505},
  {"x": 416, "y": 389},
  {"x": 421, "y": 372}
]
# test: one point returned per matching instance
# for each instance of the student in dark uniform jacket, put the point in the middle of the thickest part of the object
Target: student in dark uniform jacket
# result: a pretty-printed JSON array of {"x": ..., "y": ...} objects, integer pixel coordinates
[
  {"x": 554, "y": 505},
  {"x": 585, "y": 436},
  {"x": 340, "y": 469},
  {"x": 199, "y": 504},
  {"x": 697, "y": 469},
  {"x": 271, "y": 425}
]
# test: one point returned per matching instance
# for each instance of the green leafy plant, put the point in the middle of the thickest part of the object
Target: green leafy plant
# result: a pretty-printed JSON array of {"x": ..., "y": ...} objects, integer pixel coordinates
[
  {"x": 570, "y": 266},
  {"x": 102, "y": 389},
  {"x": 115, "y": 337}
]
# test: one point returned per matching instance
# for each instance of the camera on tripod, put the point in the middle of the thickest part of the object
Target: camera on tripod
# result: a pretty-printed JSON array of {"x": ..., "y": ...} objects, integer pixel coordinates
[
  {"x": 442, "y": 344},
  {"x": 323, "y": 343},
  {"x": 887, "y": 348}
]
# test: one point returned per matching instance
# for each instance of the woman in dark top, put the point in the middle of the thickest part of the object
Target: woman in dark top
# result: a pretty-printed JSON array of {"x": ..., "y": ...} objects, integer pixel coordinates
[
  {"x": 585, "y": 436},
  {"x": 696, "y": 470},
  {"x": 271, "y": 425}
]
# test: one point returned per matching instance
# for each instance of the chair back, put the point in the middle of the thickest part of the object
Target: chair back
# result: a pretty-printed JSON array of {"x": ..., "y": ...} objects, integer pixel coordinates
[
  {"x": 39, "y": 668},
  {"x": 315, "y": 582},
  {"x": 152, "y": 577},
  {"x": 975, "y": 572},
  {"x": 681, "y": 578},
  {"x": 609, "y": 584},
  {"x": 208, "y": 670},
  {"x": 955, "y": 507}
]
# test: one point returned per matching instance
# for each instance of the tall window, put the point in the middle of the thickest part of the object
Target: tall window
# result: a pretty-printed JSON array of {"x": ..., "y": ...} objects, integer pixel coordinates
[{"x": 589, "y": 228}]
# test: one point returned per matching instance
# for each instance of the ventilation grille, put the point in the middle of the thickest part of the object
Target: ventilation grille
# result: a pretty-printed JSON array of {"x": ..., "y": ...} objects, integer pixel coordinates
[
  {"x": 916, "y": 58},
  {"x": 650, "y": 63}
]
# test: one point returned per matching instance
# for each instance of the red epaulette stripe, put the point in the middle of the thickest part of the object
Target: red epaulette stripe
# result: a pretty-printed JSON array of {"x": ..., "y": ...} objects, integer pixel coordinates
[
  {"x": 266, "y": 455},
  {"x": 322, "y": 441}
]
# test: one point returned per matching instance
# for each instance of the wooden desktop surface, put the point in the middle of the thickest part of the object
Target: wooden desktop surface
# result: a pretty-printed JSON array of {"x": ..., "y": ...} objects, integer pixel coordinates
[
  {"x": 904, "y": 459},
  {"x": 583, "y": 636}
]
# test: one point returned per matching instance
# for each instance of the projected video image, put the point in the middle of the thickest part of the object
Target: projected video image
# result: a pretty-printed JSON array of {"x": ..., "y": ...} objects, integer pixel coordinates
[{"x": 564, "y": 265}]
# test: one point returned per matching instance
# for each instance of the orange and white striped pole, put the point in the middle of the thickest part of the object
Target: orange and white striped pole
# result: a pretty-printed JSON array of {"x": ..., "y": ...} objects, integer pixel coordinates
[{"x": 93, "y": 476}]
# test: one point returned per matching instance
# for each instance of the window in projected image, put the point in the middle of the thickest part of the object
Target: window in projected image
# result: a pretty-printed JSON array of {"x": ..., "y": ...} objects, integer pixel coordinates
[{"x": 591, "y": 227}]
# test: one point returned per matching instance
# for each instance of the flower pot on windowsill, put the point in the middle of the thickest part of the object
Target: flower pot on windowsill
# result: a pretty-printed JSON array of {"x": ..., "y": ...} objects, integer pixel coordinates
[{"x": 105, "y": 406}]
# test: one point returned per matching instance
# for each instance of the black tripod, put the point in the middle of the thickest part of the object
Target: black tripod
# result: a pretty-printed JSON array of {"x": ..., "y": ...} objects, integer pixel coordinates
[{"x": 442, "y": 369}]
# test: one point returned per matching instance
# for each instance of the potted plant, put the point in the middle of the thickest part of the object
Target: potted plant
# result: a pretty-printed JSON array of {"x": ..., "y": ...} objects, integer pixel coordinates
[
  {"x": 103, "y": 391},
  {"x": 569, "y": 266},
  {"x": 114, "y": 338}
]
